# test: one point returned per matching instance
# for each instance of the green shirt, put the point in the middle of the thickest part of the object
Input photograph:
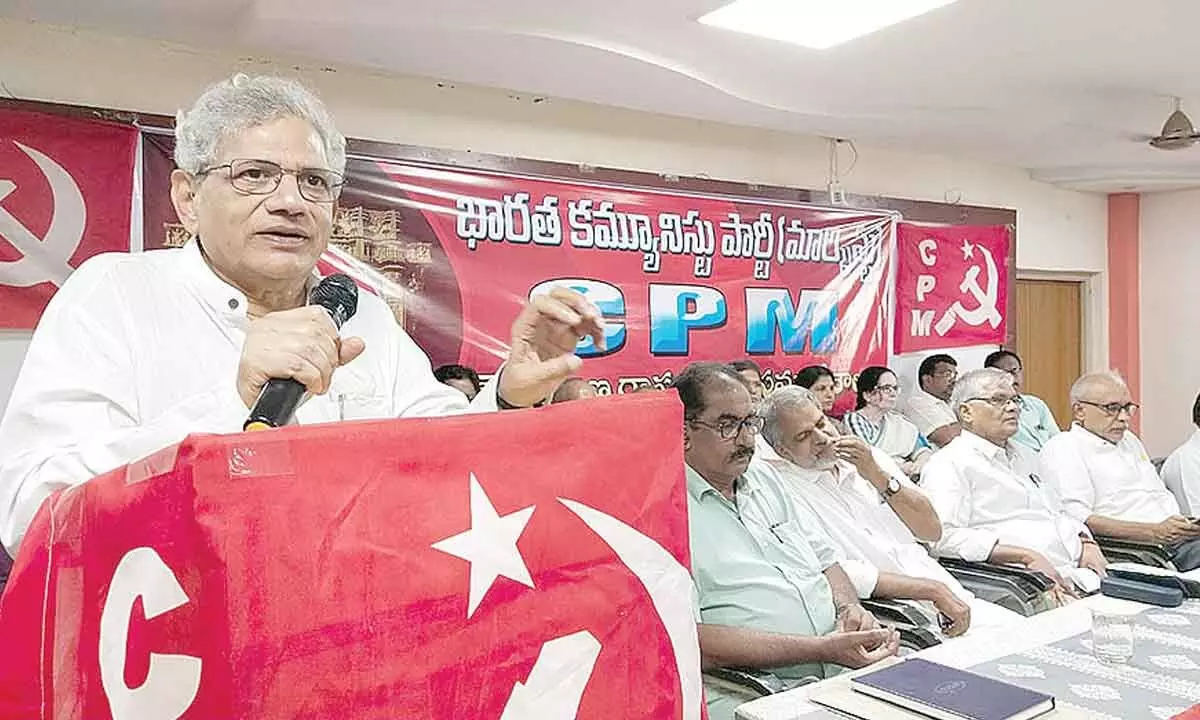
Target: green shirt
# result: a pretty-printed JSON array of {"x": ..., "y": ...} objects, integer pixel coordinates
[
  {"x": 757, "y": 565},
  {"x": 1036, "y": 423}
]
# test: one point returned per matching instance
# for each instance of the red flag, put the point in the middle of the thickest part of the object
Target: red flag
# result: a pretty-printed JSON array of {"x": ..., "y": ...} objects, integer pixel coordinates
[
  {"x": 951, "y": 286},
  {"x": 509, "y": 565},
  {"x": 66, "y": 186}
]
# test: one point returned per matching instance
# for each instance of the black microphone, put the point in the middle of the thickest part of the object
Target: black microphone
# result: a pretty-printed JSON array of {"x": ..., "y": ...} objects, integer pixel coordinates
[{"x": 280, "y": 397}]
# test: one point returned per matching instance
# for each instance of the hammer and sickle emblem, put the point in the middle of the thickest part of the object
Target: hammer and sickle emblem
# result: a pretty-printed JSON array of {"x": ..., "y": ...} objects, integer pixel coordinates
[
  {"x": 43, "y": 259},
  {"x": 985, "y": 311}
]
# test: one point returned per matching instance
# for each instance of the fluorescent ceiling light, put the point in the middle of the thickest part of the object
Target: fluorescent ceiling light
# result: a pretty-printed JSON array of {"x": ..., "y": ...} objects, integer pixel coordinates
[{"x": 817, "y": 24}]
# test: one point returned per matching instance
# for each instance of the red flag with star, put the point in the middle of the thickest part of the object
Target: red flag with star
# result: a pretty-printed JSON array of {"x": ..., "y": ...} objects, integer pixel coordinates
[
  {"x": 509, "y": 565},
  {"x": 951, "y": 286}
]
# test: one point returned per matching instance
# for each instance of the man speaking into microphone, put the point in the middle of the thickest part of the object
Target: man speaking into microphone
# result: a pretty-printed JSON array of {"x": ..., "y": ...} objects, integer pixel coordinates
[{"x": 136, "y": 351}]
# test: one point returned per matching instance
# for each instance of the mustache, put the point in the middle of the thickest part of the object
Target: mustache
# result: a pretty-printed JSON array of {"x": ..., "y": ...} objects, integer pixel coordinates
[{"x": 742, "y": 452}]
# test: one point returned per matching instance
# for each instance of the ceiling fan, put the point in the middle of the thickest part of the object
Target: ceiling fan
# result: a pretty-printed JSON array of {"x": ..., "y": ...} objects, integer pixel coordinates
[{"x": 1178, "y": 132}]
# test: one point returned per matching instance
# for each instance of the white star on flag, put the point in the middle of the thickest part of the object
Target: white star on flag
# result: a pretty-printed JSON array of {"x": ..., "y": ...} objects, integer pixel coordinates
[
  {"x": 968, "y": 250},
  {"x": 490, "y": 546}
]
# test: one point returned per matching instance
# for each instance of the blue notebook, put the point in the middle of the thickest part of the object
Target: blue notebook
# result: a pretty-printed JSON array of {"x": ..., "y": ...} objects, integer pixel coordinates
[{"x": 948, "y": 694}]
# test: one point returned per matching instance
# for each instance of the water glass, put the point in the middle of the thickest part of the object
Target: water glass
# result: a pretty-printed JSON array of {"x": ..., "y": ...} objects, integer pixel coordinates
[{"x": 1112, "y": 637}]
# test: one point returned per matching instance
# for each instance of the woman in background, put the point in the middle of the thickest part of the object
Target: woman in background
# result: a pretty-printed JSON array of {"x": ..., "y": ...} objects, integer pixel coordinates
[
  {"x": 820, "y": 381},
  {"x": 876, "y": 421}
]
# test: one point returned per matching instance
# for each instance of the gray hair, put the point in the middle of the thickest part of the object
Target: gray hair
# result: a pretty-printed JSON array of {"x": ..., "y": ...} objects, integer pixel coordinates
[
  {"x": 783, "y": 398},
  {"x": 242, "y": 102},
  {"x": 693, "y": 381},
  {"x": 977, "y": 383},
  {"x": 1088, "y": 380}
]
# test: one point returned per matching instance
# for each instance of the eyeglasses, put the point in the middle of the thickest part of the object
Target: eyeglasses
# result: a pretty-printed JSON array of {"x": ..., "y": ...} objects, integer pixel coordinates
[
  {"x": 262, "y": 177},
  {"x": 1114, "y": 408},
  {"x": 729, "y": 429},
  {"x": 998, "y": 401},
  {"x": 890, "y": 389}
]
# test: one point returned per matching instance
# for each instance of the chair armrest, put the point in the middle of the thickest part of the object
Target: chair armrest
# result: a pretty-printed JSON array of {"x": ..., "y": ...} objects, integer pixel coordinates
[
  {"x": 1137, "y": 557},
  {"x": 1015, "y": 588},
  {"x": 756, "y": 682},
  {"x": 912, "y": 637},
  {"x": 759, "y": 682},
  {"x": 1003, "y": 591},
  {"x": 917, "y": 638},
  {"x": 1153, "y": 554},
  {"x": 893, "y": 611},
  {"x": 916, "y": 631},
  {"x": 1032, "y": 578}
]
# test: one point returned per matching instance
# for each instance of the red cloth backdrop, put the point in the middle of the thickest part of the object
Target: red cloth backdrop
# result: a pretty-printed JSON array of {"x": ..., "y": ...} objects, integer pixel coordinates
[
  {"x": 951, "y": 286},
  {"x": 66, "y": 188},
  {"x": 482, "y": 566}
]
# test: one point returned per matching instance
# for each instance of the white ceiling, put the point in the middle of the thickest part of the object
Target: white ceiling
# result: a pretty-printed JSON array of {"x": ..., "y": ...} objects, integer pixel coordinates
[{"x": 1066, "y": 88}]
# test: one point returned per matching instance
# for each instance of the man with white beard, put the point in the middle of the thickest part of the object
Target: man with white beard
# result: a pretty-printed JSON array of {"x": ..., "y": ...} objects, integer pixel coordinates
[{"x": 866, "y": 505}]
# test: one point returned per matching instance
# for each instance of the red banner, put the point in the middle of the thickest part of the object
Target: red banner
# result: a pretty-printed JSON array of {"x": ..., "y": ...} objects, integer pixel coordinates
[
  {"x": 369, "y": 570},
  {"x": 951, "y": 286},
  {"x": 66, "y": 186},
  {"x": 680, "y": 277}
]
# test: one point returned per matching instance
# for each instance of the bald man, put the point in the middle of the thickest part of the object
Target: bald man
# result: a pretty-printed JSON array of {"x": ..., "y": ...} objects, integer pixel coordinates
[
  {"x": 1105, "y": 475},
  {"x": 573, "y": 389}
]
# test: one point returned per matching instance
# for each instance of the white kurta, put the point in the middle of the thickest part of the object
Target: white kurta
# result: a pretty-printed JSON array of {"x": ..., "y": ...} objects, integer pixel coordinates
[
  {"x": 927, "y": 412},
  {"x": 1096, "y": 477},
  {"x": 864, "y": 527},
  {"x": 1181, "y": 475},
  {"x": 986, "y": 494},
  {"x": 136, "y": 351}
]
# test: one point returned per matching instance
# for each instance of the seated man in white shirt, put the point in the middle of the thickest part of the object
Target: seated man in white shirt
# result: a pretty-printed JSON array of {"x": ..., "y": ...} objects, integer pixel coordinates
[
  {"x": 927, "y": 406},
  {"x": 772, "y": 594},
  {"x": 136, "y": 351},
  {"x": 992, "y": 504},
  {"x": 872, "y": 512},
  {"x": 1105, "y": 477},
  {"x": 1181, "y": 471}
]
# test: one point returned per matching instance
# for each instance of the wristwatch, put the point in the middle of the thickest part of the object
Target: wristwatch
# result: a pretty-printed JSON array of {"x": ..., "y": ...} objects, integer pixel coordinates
[{"x": 893, "y": 487}]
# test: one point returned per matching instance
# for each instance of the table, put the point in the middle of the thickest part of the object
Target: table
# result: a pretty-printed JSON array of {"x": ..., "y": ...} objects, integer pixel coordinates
[{"x": 1039, "y": 634}]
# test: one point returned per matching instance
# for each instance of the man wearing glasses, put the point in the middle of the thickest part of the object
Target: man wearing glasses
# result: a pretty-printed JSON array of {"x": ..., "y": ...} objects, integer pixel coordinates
[
  {"x": 772, "y": 593},
  {"x": 1106, "y": 477},
  {"x": 993, "y": 505},
  {"x": 928, "y": 404},
  {"x": 136, "y": 351},
  {"x": 869, "y": 509},
  {"x": 1037, "y": 422}
]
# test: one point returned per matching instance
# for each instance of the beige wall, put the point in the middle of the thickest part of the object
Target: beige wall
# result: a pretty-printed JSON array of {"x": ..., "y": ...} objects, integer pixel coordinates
[
  {"x": 1170, "y": 237},
  {"x": 1057, "y": 229}
]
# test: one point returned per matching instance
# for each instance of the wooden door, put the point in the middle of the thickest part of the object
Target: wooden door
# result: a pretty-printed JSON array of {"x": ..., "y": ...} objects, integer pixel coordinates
[{"x": 1050, "y": 340}]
